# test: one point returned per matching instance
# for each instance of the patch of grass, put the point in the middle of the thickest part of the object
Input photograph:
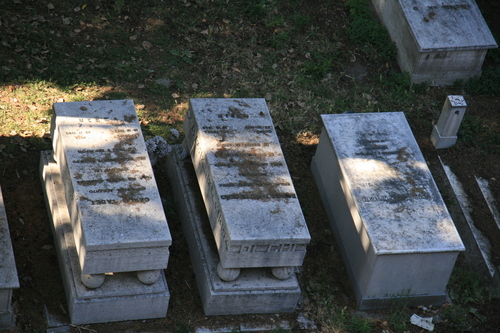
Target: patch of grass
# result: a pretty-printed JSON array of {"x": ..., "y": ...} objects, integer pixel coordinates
[
  {"x": 470, "y": 128},
  {"x": 487, "y": 84},
  {"x": 398, "y": 317},
  {"x": 365, "y": 30},
  {"x": 466, "y": 287},
  {"x": 353, "y": 323},
  {"x": 318, "y": 64}
]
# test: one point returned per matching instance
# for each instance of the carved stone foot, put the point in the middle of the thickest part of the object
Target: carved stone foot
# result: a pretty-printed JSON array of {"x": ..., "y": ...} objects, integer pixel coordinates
[
  {"x": 149, "y": 277},
  {"x": 92, "y": 281},
  {"x": 282, "y": 273},
  {"x": 227, "y": 274}
]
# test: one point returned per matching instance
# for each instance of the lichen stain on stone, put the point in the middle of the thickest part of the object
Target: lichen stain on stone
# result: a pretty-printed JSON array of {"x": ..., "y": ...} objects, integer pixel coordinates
[{"x": 129, "y": 118}]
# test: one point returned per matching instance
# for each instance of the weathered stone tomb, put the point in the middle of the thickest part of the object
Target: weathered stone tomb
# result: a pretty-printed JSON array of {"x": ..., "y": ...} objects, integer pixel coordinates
[
  {"x": 108, "y": 221},
  {"x": 438, "y": 41},
  {"x": 394, "y": 230}
]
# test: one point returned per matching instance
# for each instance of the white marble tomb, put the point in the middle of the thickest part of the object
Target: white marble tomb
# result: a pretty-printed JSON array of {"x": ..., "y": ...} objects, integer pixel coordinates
[
  {"x": 252, "y": 206},
  {"x": 389, "y": 219},
  {"x": 438, "y": 41},
  {"x": 110, "y": 231},
  {"x": 116, "y": 211}
]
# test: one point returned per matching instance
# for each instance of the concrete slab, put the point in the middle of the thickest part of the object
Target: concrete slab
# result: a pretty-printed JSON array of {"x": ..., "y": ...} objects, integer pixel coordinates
[
  {"x": 255, "y": 290},
  {"x": 115, "y": 207},
  {"x": 396, "y": 235},
  {"x": 253, "y": 209},
  {"x": 8, "y": 272},
  {"x": 438, "y": 41},
  {"x": 122, "y": 296}
]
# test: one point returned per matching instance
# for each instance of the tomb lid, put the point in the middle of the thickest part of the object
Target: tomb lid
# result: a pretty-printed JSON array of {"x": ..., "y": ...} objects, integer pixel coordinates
[
  {"x": 8, "y": 272},
  {"x": 387, "y": 179},
  {"x": 446, "y": 25},
  {"x": 106, "y": 170},
  {"x": 250, "y": 177}
]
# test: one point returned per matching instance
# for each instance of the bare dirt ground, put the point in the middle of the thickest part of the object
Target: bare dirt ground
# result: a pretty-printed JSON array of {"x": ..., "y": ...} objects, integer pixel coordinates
[{"x": 41, "y": 285}]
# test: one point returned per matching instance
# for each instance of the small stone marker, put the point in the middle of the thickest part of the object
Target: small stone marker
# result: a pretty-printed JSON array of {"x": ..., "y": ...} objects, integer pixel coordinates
[
  {"x": 396, "y": 235},
  {"x": 115, "y": 208},
  {"x": 8, "y": 273},
  {"x": 253, "y": 209},
  {"x": 444, "y": 133},
  {"x": 439, "y": 41}
]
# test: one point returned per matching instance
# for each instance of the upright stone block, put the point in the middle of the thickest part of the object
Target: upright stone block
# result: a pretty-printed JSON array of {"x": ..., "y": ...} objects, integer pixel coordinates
[
  {"x": 394, "y": 230},
  {"x": 115, "y": 208},
  {"x": 438, "y": 41},
  {"x": 252, "y": 206},
  {"x": 444, "y": 133},
  {"x": 8, "y": 272}
]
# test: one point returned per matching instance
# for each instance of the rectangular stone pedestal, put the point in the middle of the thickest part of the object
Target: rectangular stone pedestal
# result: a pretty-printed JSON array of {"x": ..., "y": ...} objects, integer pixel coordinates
[
  {"x": 438, "y": 41},
  {"x": 394, "y": 230},
  {"x": 8, "y": 272},
  {"x": 115, "y": 208},
  {"x": 122, "y": 296},
  {"x": 254, "y": 212},
  {"x": 255, "y": 290}
]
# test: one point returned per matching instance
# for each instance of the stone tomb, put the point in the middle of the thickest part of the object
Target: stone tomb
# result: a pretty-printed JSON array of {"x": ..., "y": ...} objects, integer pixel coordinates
[
  {"x": 253, "y": 210},
  {"x": 439, "y": 41},
  {"x": 121, "y": 296},
  {"x": 8, "y": 272},
  {"x": 256, "y": 290},
  {"x": 107, "y": 217},
  {"x": 394, "y": 230},
  {"x": 115, "y": 208}
]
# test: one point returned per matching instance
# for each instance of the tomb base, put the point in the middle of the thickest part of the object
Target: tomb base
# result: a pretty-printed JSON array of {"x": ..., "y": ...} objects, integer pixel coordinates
[
  {"x": 255, "y": 290},
  {"x": 8, "y": 273},
  {"x": 440, "y": 141},
  {"x": 122, "y": 296},
  {"x": 7, "y": 320}
]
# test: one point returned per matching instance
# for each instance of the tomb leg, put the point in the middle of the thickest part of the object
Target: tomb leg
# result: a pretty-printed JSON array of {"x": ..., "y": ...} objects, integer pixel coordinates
[
  {"x": 227, "y": 274},
  {"x": 149, "y": 277},
  {"x": 282, "y": 273},
  {"x": 92, "y": 281}
]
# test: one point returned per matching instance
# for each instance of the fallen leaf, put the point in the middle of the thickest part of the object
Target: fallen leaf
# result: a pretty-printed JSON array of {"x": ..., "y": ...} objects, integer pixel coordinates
[
  {"x": 132, "y": 38},
  {"x": 236, "y": 69},
  {"x": 204, "y": 32},
  {"x": 141, "y": 86},
  {"x": 174, "y": 95},
  {"x": 147, "y": 45}
]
